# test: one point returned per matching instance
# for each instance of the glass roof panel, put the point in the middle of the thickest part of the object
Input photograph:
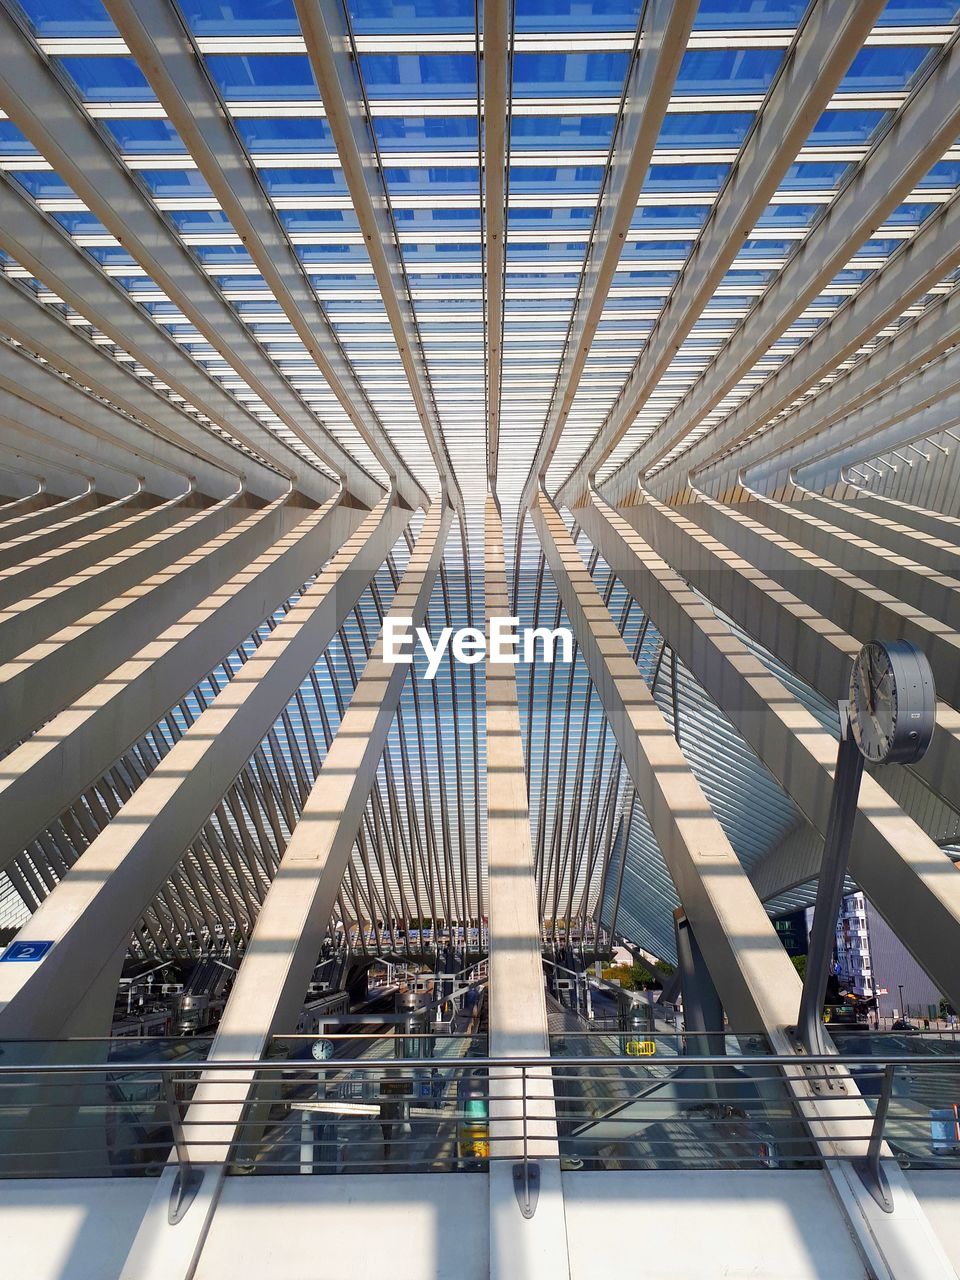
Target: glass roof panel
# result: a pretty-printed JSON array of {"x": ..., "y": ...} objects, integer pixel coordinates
[
  {"x": 68, "y": 17},
  {"x": 241, "y": 17},
  {"x": 387, "y": 17},
  {"x": 724, "y": 71},
  {"x": 883, "y": 67},
  {"x": 107, "y": 78},
  {"x": 577, "y": 15},
  {"x": 263, "y": 77},
  {"x": 574, "y": 74},
  {"x": 285, "y": 134}
]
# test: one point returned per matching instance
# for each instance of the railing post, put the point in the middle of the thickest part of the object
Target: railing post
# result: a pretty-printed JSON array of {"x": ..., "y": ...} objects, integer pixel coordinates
[
  {"x": 526, "y": 1173},
  {"x": 869, "y": 1168},
  {"x": 188, "y": 1179}
]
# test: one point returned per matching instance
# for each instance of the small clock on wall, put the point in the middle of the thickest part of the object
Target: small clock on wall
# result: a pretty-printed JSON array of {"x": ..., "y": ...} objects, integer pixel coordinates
[{"x": 893, "y": 706}]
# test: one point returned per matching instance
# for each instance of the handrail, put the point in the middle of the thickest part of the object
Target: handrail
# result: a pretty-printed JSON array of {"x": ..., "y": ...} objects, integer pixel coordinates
[
  {"x": 877, "y": 1061},
  {"x": 416, "y": 1114}
]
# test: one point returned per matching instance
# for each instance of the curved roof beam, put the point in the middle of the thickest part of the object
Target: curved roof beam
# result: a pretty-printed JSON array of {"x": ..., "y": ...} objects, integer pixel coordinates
[
  {"x": 329, "y": 39},
  {"x": 171, "y": 432},
  {"x": 35, "y": 398},
  {"x": 43, "y": 107},
  {"x": 920, "y": 406},
  {"x": 495, "y": 105},
  {"x": 41, "y": 245},
  {"x": 661, "y": 42},
  {"x": 157, "y": 37},
  {"x": 924, "y": 260},
  {"x": 815, "y": 64}
]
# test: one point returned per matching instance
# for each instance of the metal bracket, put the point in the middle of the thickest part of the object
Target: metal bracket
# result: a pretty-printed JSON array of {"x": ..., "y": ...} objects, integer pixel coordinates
[
  {"x": 526, "y": 1185},
  {"x": 875, "y": 1180},
  {"x": 185, "y": 1187}
]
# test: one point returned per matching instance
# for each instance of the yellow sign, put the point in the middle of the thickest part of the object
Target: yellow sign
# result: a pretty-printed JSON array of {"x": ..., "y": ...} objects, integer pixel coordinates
[{"x": 641, "y": 1048}]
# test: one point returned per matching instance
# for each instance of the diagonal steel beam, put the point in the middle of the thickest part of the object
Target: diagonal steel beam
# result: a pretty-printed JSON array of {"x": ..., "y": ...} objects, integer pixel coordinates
[
  {"x": 749, "y": 966},
  {"x": 44, "y": 776},
  {"x": 923, "y": 406},
  {"x": 495, "y": 105},
  {"x": 31, "y": 621},
  {"x": 93, "y": 909},
  {"x": 835, "y": 592},
  {"x": 900, "y": 392},
  {"x": 40, "y": 244},
  {"x": 69, "y": 520},
  {"x": 22, "y": 581},
  {"x": 818, "y": 650},
  {"x": 336, "y": 69},
  {"x": 661, "y": 41},
  {"x": 933, "y": 551},
  {"x": 920, "y": 263},
  {"x": 909, "y": 579},
  {"x": 825, "y": 45},
  {"x": 275, "y": 972},
  {"x": 159, "y": 39},
  {"x": 170, "y": 436},
  {"x": 900, "y": 867},
  {"x": 50, "y": 115}
]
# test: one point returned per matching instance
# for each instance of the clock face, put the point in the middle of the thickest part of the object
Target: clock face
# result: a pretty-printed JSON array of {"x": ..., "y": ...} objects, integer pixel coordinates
[
  {"x": 873, "y": 702},
  {"x": 322, "y": 1050},
  {"x": 892, "y": 702}
]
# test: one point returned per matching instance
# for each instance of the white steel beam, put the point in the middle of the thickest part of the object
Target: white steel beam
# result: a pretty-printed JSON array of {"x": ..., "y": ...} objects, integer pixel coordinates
[
  {"x": 47, "y": 251},
  {"x": 903, "y": 425},
  {"x": 919, "y": 264},
  {"x": 930, "y": 590},
  {"x": 161, "y": 42},
  {"x": 495, "y": 101},
  {"x": 93, "y": 909},
  {"x": 662, "y": 32},
  {"x": 835, "y": 592},
  {"x": 52, "y": 671},
  {"x": 517, "y": 1010},
  {"x": 273, "y": 978},
  {"x": 911, "y": 882},
  {"x": 71, "y": 519},
  {"x": 41, "y": 778},
  {"x": 24, "y": 579},
  {"x": 326, "y": 30},
  {"x": 177, "y": 530},
  {"x": 747, "y": 963},
  {"x": 899, "y": 392},
  {"x": 918, "y": 135},
  {"x": 934, "y": 550},
  {"x": 817, "y": 649},
  {"x": 46, "y": 111},
  {"x": 749, "y": 966},
  {"x": 174, "y": 437},
  {"x": 45, "y": 456}
]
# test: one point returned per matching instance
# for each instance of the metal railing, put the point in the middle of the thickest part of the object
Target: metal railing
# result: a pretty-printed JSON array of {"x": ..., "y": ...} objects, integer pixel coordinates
[{"x": 362, "y": 1115}]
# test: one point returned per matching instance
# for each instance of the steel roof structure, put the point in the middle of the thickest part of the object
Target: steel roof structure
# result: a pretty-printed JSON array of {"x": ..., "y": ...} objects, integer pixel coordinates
[
  {"x": 252, "y": 246},
  {"x": 637, "y": 317}
]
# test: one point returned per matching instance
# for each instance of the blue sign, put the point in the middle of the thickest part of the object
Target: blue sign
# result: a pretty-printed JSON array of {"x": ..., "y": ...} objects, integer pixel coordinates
[{"x": 27, "y": 951}]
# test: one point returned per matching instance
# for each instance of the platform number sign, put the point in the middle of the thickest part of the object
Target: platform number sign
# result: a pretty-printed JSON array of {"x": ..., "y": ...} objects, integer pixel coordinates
[{"x": 26, "y": 951}]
